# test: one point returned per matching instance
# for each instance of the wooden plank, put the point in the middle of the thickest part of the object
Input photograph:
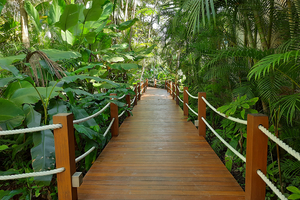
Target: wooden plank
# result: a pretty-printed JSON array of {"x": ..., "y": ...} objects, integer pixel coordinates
[{"x": 159, "y": 155}]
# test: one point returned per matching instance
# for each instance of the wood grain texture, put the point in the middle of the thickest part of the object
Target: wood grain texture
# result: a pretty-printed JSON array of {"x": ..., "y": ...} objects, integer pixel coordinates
[{"x": 158, "y": 155}]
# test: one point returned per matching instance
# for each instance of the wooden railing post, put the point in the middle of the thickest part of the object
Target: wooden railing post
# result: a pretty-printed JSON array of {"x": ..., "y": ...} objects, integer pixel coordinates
[
  {"x": 201, "y": 113},
  {"x": 173, "y": 84},
  {"x": 114, "y": 114},
  {"x": 165, "y": 84},
  {"x": 139, "y": 90},
  {"x": 64, "y": 140},
  {"x": 147, "y": 84},
  {"x": 128, "y": 103},
  {"x": 185, "y": 100},
  {"x": 171, "y": 92},
  {"x": 155, "y": 83},
  {"x": 177, "y": 93},
  {"x": 257, "y": 150},
  {"x": 135, "y": 90}
]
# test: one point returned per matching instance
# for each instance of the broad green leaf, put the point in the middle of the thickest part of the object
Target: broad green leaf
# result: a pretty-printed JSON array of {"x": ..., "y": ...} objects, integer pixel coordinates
[
  {"x": 31, "y": 96},
  {"x": 69, "y": 79},
  {"x": 127, "y": 24},
  {"x": 2, "y": 3},
  {"x": 22, "y": 146},
  {"x": 33, "y": 13},
  {"x": 56, "y": 55},
  {"x": 10, "y": 114},
  {"x": 119, "y": 46},
  {"x": 94, "y": 13},
  {"x": 107, "y": 11},
  {"x": 228, "y": 163},
  {"x": 6, "y": 63},
  {"x": 92, "y": 156},
  {"x": 56, "y": 106},
  {"x": 90, "y": 37},
  {"x": 32, "y": 117},
  {"x": 98, "y": 26},
  {"x": 78, "y": 91},
  {"x": 125, "y": 66},
  {"x": 294, "y": 196},
  {"x": 81, "y": 69},
  {"x": 54, "y": 12},
  {"x": 67, "y": 37},
  {"x": 86, "y": 131},
  {"x": 43, "y": 154},
  {"x": 69, "y": 17},
  {"x": 293, "y": 189},
  {"x": 243, "y": 113},
  {"x": 10, "y": 90},
  {"x": 111, "y": 58},
  {"x": 12, "y": 193},
  {"x": 3, "y": 147}
]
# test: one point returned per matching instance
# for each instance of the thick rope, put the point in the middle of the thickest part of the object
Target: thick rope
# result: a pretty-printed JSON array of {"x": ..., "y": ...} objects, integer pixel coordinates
[
  {"x": 120, "y": 115},
  {"x": 191, "y": 109},
  {"x": 84, "y": 155},
  {"x": 109, "y": 126},
  {"x": 33, "y": 174},
  {"x": 31, "y": 130},
  {"x": 179, "y": 89},
  {"x": 122, "y": 97},
  {"x": 223, "y": 115},
  {"x": 194, "y": 97},
  {"x": 133, "y": 100},
  {"x": 280, "y": 142},
  {"x": 224, "y": 142},
  {"x": 271, "y": 185},
  {"x": 92, "y": 116},
  {"x": 180, "y": 99}
]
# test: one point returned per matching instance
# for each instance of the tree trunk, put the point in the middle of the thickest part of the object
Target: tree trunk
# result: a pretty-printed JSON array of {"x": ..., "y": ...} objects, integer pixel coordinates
[
  {"x": 131, "y": 30},
  {"x": 24, "y": 25},
  {"x": 126, "y": 11},
  {"x": 260, "y": 30},
  {"x": 290, "y": 15}
]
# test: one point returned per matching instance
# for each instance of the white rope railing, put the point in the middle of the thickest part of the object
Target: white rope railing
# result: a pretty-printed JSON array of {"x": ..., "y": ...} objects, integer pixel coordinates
[
  {"x": 32, "y": 174},
  {"x": 92, "y": 116},
  {"x": 191, "y": 109},
  {"x": 122, "y": 97},
  {"x": 31, "y": 130},
  {"x": 224, "y": 142},
  {"x": 283, "y": 145},
  {"x": 109, "y": 126},
  {"x": 223, "y": 115},
  {"x": 180, "y": 99},
  {"x": 179, "y": 89},
  {"x": 79, "y": 158},
  {"x": 194, "y": 97},
  {"x": 271, "y": 185},
  {"x": 133, "y": 100},
  {"x": 120, "y": 115},
  {"x": 133, "y": 88}
]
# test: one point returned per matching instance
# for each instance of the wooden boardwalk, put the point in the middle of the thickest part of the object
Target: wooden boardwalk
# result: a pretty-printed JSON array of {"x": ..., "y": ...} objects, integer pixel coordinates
[{"x": 158, "y": 155}]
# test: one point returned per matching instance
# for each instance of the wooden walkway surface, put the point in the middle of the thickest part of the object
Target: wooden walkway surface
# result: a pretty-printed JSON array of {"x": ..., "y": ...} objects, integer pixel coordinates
[{"x": 158, "y": 155}]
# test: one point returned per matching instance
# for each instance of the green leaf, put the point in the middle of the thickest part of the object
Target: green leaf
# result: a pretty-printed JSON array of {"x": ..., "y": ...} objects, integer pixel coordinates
[
  {"x": 69, "y": 79},
  {"x": 5, "y": 63},
  {"x": 127, "y": 24},
  {"x": 30, "y": 95},
  {"x": 107, "y": 11},
  {"x": 90, "y": 37},
  {"x": 2, "y": 3},
  {"x": 243, "y": 113},
  {"x": 67, "y": 37},
  {"x": 12, "y": 87},
  {"x": 33, "y": 13},
  {"x": 81, "y": 69},
  {"x": 125, "y": 66},
  {"x": 94, "y": 13},
  {"x": 78, "y": 91},
  {"x": 246, "y": 106},
  {"x": 43, "y": 154},
  {"x": 20, "y": 147},
  {"x": 12, "y": 193},
  {"x": 3, "y": 147},
  {"x": 228, "y": 163},
  {"x": 80, "y": 113},
  {"x": 110, "y": 58},
  {"x": 86, "y": 131},
  {"x": 33, "y": 118},
  {"x": 54, "y": 12},
  {"x": 69, "y": 17},
  {"x": 293, "y": 189},
  {"x": 294, "y": 196},
  {"x": 10, "y": 114},
  {"x": 56, "y": 55}
]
